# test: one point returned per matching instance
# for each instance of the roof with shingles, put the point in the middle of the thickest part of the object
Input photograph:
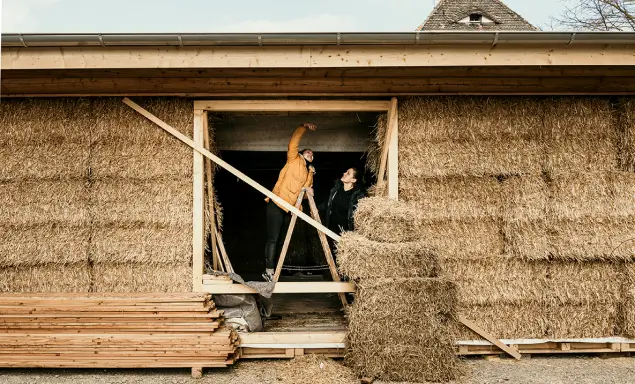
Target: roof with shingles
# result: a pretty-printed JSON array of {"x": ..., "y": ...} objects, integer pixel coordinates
[{"x": 447, "y": 14}]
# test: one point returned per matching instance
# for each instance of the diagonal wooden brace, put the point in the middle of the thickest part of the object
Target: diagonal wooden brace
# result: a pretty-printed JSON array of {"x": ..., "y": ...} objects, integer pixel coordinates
[
  {"x": 231, "y": 169},
  {"x": 468, "y": 323}
]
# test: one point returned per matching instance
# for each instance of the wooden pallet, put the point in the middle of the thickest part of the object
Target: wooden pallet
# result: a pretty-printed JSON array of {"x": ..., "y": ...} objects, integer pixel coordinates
[
  {"x": 288, "y": 353},
  {"x": 286, "y": 345},
  {"x": 548, "y": 347}
]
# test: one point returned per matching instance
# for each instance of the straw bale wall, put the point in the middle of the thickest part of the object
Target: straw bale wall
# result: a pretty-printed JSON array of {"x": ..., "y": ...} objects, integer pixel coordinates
[
  {"x": 529, "y": 203},
  {"x": 94, "y": 197}
]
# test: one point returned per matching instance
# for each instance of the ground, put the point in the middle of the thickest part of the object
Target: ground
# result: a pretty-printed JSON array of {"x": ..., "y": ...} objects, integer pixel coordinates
[{"x": 579, "y": 370}]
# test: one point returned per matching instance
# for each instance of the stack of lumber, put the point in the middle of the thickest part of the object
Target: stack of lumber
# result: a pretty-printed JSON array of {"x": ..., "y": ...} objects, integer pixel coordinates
[{"x": 113, "y": 331}]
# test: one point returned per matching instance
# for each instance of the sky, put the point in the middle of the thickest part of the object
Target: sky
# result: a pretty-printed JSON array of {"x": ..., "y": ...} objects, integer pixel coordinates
[{"x": 186, "y": 16}]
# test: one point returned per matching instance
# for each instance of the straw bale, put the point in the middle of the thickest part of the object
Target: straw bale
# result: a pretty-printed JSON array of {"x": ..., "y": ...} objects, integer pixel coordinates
[
  {"x": 43, "y": 161},
  {"x": 387, "y": 220},
  {"x": 623, "y": 184},
  {"x": 39, "y": 202},
  {"x": 142, "y": 277},
  {"x": 626, "y": 129},
  {"x": 628, "y": 301},
  {"x": 495, "y": 281},
  {"x": 589, "y": 239},
  {"x": 53, "y": 121},
  {"x": 581, "y": 155},
  {"x": 437, "y": 119},
  {"x": 388, "y": 331},
  {"x": 361, "y": 258},
  {"x": 587, "y": 283},
  {"x": 527, "y": 239},
  {"x": 141, "y": 243},
  {"x": 116, "y": 123},
  {"x": 368, "y": 316},
  {"x": 455, "y": 198},
  {"x": 588, "y": 117},
  {"x": 46, "y": 278},
  {"x": 584, "y": 321},
  {"x": 480, "y": 158},
  {"x": 51, "y": 243},
  {"x": 141, "y": 161},
  {"x": 580, "y": 195},
  {"x": 506, "y": 321},
  {"x": 464, "y": 239},
  {"x": 159, "y": 202},
  {"x": 525, "y": 198}
]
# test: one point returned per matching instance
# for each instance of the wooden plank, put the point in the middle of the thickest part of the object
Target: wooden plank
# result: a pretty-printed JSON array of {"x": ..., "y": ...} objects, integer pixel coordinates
[
  {"x": 284, "y": 287},
  {"x": 293, "y": 105},
  {"x": 392, "y": 114},
  {"x": 471, "y": 325},
  {"x": 210, "y": 193},
  {"x": 306, "y": 338},
  {"x": 393, "y": 151},
  {"x": 327, "y": 251},
  {"x": 287, "y": 239},
  {"x": 198, "y": 212},
  {"x": 223, "y": 252},
  {"x": 231, "y": 169},
  {"x": 456, "y": 55}
]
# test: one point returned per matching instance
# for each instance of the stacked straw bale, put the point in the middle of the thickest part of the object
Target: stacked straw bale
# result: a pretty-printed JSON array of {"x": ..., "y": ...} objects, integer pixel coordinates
[
  {"x": 627, "y": 134},
  {"x": 141, "y": 198},
  {"x": 402, "y": 320},
  {"x": 44, "y": 223},
  {"x": 94, "y": 197},
  {"x": 527, "y": 201}
]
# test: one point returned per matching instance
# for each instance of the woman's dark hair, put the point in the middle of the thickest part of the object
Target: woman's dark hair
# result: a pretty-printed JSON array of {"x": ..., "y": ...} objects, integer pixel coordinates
[{"x": 359, "y": 176}]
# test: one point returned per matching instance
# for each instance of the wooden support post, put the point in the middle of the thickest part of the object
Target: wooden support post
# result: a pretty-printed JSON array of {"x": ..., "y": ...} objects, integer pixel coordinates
[
  {"x": 198, "y": 213},
  {"x": 287, "y": 239},
  {"x": 223, "y": 252},
  {"x": 210, "y": 193},
  {"x": 488, "y": 337},
  {"x": 199, "y": 148},
  {"x": 390, "y": 134},
  {"x": 197, "y": 373},
  {"x": 393, "y": 150},
  {"x": 327, "y": 250}
]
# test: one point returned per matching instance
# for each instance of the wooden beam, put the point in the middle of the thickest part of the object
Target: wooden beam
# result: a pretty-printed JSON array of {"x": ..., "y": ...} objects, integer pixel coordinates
[
  {"x": 292, "y": 105},
  {"x": 284, "y": 287},
  {"x": 328, "y": 74},
  {"x": 464, "y": 55},
  {"x": 342, "y": 86},
  {"x": 198, "y": 205},
  {"x": 234, "y": 171},
  {"x": 256, "y": 339},
  {"x": 390, "y": 125},
  {"x": 393, "y": 151},
  {"x": 480, "y": 331}
]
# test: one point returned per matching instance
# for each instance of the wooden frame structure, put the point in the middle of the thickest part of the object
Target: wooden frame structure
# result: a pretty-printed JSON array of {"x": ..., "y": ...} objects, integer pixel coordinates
[{"x": 201, "y": 109}]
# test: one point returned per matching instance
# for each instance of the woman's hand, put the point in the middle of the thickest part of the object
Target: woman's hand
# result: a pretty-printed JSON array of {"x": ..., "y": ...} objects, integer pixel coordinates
[{"x": 310, "y": 126}]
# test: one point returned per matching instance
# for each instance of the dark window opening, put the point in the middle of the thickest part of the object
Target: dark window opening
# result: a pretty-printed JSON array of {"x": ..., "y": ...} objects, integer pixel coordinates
[{"x": 476, "y": 18}]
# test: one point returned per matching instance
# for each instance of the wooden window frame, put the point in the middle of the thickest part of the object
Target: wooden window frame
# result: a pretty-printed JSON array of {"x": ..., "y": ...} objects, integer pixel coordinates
[{"x": 388, "y": 166}]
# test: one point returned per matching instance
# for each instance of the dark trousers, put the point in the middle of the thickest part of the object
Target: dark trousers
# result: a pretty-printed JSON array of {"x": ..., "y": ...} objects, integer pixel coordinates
[{"x": 277, "y": 226}]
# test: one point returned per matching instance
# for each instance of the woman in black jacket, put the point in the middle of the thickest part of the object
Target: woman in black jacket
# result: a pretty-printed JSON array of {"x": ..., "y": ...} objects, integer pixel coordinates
[{"x": 338, "y": 210}]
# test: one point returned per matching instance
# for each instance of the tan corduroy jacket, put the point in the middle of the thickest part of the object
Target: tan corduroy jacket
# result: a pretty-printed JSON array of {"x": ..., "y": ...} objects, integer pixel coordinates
[{"x": 294, "y": 175}]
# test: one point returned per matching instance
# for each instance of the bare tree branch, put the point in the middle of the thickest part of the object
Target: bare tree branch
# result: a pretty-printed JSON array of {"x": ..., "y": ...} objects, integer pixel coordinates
[{"x": 597, "y": 15}]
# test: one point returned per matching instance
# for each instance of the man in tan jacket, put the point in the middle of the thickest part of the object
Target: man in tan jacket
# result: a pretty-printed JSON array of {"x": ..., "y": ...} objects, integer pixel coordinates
[{"x": 296, "y": 174}]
